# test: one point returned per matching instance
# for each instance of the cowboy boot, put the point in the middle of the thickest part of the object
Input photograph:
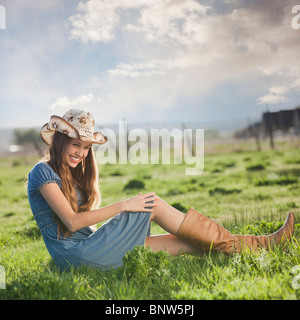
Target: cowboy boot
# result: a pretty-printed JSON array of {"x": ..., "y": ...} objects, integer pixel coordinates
[{"x": 206, "y": 235}]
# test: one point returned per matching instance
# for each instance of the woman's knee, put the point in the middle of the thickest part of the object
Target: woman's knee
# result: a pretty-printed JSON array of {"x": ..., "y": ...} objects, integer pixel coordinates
[{"x": 158, "y": 209}]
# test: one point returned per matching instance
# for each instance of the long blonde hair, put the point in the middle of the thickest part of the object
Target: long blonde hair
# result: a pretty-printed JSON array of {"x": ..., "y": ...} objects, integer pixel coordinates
[{"x": 84, "y": 177}]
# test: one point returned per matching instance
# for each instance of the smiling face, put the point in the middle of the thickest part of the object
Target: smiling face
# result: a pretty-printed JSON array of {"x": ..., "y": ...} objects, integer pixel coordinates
[{"x": 76, "y": 151}]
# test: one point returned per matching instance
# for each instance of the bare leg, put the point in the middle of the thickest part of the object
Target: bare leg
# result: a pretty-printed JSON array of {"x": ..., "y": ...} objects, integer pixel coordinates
[
  {"x": 166, "y": 216},
  {"x": 170, "y": 219},
  {"x": 171, "y": 244}
]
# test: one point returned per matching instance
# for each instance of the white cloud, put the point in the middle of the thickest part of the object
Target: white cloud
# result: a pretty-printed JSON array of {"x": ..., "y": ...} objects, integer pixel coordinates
[
  {"x": 279, "y": 90},
  {"x": 136, "y": 55},
  {"x": 93, "y": 24},
  {"x": 278, "y": 94},
  {"x": 98, "y": 20},
  {"x": 65, "y": 103},
  {"x": 189, "y": 27},
  {"x": 271, "y": 99},
  {"x": 62, "y": 102},
  {"x": 296, "y": 85},
  {"x": 186, "y": 48},
  {"x": 169, "y": 20},
  {"x": 157, "y": 66}
]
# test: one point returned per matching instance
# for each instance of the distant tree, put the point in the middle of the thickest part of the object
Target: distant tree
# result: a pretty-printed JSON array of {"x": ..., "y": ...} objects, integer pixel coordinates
[{"x": 29, "y": 136}]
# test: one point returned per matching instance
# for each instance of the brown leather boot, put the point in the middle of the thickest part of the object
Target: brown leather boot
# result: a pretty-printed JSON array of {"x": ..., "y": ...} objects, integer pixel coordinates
[{"x": 206, "y": 235}]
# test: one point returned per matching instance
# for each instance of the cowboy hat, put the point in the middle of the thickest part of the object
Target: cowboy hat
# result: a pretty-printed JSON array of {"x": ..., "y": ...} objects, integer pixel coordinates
[{"x": 76, "y": 124}]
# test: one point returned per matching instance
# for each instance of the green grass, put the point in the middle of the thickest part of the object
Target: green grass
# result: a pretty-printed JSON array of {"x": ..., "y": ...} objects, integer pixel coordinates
[{"x": 245, "y": 191}]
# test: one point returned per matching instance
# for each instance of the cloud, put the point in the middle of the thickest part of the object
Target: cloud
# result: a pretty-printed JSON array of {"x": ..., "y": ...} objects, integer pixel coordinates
[
  {"x": 98, "y": 20},
  {"x": 170, "y": 21},
  {"x": 134, "y": 70},
  {"x": 174, "y": 28},
  {"x": 183, "y": 50},
  {"x": 278, "y": 94},
  {"x": 279, "y": 90},
  {"x": 65, "y": 103},
  {"x": 296, "y": 85},
  {"x": 155, "y": 66},
  {"x": 93, "y": 24},
  {"x": 159, "y": 21},
  {"x": 147, "y": 58},
  {"x": 271, "y": 99}
]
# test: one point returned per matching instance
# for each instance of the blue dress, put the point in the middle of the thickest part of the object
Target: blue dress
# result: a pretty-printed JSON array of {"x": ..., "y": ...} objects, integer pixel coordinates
[{"x": 104, "y": 248}]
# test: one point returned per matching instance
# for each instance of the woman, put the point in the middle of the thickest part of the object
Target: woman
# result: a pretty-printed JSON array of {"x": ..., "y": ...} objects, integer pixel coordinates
[{"x": 64, "y": 197}]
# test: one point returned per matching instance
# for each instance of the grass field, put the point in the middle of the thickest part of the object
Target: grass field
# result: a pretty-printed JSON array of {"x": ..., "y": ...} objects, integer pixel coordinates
[{"x": 244, "y": 190}]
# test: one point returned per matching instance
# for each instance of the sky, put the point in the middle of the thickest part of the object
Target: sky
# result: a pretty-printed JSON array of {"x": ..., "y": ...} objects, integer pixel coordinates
[{"x": 148, "y": 60}]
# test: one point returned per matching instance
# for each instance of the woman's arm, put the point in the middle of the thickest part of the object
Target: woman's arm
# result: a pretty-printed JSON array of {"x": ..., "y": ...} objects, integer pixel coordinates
[{"x": 75, "y": 221}]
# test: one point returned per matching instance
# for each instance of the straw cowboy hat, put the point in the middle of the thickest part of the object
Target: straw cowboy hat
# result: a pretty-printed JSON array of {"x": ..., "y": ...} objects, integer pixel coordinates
[{"x": 76, "y": 124}]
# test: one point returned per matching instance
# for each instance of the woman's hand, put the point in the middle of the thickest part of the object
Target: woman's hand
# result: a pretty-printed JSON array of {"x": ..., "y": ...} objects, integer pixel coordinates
[{"x": 139, "y": 203}]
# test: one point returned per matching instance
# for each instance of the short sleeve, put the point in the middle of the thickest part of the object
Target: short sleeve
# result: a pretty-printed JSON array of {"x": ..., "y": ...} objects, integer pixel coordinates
[{"x": 40, "y": 175}]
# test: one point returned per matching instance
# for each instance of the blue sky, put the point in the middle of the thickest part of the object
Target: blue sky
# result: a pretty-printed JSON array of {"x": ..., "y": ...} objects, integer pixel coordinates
[{"x": 147, "y": 60}]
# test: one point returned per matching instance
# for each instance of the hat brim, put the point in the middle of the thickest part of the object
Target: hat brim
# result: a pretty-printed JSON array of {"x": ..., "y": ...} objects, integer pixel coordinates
[
  {"x": 58, "y": 124},
  {"x": 99, "y": 138}
]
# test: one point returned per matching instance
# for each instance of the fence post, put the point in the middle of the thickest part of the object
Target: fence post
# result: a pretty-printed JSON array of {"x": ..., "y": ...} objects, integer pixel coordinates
[{"x": 269, "y": 126}]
